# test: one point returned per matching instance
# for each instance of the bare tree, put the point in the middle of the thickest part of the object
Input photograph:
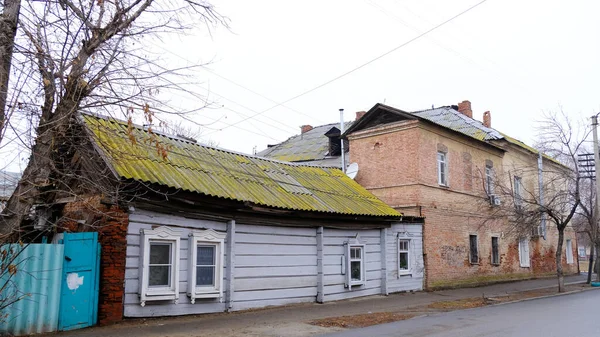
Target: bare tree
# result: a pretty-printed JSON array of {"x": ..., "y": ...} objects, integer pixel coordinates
[
  {"x": 89, "y": 56},
  {"x": 527, "y": 201},
  {"x": 9, "y": 19}
]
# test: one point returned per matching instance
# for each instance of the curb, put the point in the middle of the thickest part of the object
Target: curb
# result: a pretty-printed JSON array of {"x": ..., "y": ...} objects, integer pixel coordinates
[{"x": 547, "y": 296}]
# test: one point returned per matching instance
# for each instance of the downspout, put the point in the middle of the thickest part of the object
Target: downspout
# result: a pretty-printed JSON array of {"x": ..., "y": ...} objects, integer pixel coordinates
[
  {"x": 342, "y": 140},
  {"x": 541, "y": 186}
]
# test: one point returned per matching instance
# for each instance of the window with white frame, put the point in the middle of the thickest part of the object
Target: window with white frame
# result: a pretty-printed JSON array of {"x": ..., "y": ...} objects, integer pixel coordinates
[
  {"x": 524, "y": 252},
  {"x": 159, "y": 258},
  {"x": 518, "y": 189},
  {"x": 206, "y": 264},
  {"x": 489, "y": 180},
  {"x": 569, "y": 252},
  {"x": 403, "y": 256},
  {"x": 473, "y": 249},
  {"x": 355, "y": 264},
  {"x": 581, "y": 251},
  {"x": 442, "y": 168}
]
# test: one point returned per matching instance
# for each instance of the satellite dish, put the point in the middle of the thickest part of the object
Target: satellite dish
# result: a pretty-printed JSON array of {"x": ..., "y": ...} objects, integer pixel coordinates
[{"x": 352, "y": 170}]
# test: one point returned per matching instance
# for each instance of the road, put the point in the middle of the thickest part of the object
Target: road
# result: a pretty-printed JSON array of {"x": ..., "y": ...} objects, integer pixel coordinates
[{"x": 560, "y": 316}]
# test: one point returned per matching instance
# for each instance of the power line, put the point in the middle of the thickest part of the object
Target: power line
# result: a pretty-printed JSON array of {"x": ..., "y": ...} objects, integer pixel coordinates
[{"x": 366, "y": 63}]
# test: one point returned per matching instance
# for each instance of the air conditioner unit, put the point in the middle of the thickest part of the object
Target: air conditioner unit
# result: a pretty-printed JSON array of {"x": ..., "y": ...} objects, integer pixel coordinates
[
  {"x": 537, "y": 231},
  {"x": 494, "y": 200}
]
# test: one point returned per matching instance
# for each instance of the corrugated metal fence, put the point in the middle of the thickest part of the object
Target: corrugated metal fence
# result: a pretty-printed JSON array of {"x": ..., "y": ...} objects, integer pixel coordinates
[{"x": 35, "y": 284}]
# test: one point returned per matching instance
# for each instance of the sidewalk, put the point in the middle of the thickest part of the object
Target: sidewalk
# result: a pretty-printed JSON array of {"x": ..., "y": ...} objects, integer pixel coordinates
[{"x": 293, "y": 320}]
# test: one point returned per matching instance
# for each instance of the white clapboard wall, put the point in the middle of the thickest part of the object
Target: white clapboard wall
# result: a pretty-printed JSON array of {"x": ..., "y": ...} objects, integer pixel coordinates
[{"x": 274, "y": 265}]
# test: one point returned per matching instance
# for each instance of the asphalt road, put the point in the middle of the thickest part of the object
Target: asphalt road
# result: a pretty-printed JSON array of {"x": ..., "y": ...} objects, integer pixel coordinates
[{"x": 573, "y": 315}]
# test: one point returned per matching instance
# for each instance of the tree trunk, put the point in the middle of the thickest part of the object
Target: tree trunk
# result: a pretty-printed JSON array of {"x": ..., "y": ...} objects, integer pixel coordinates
[
  {"x": 591, "y": 265},
  {"x": 559, "y": 268},
  {"x": 37, "y": 177},
  {"x": 9, "y": 20}
]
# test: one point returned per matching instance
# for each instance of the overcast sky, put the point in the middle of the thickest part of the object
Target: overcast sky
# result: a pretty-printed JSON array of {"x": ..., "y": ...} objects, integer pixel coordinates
[{"x": 514, "y": 58}]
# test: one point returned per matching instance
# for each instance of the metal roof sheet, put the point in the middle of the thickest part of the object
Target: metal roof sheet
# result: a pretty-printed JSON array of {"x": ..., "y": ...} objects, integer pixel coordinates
[
  {"x": 454, "y": 120},
  {"x": 309, "y": 146},
  {"x": 214, "y": 172}
]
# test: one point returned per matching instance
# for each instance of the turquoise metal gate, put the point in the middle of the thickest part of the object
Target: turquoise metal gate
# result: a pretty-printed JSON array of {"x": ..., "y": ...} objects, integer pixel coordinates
[
  {"x": 53, "y": 286},
  {"x": 79, "y": 294}
]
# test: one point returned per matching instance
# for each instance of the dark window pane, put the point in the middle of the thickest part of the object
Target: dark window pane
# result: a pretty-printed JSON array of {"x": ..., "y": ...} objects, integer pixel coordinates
[
  {"x": 403, "y": 261},
  {"x": 205, "y": 276},
  {"x": 159, "y": 276},
  {"x": 495, "y": 253},
  {"x": 355, "y": 272},
  {"x": 160, "y": 253},
  {"x": 205, "y": 256},
  {"x": 473, "y": 248}
]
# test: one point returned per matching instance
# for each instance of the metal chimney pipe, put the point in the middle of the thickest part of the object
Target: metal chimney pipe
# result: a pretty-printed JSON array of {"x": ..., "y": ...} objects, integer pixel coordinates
[{"x": 342, "y": 141}]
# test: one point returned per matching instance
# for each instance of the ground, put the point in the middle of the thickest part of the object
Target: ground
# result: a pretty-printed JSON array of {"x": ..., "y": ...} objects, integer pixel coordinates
[{"x": 313, "y": 319}]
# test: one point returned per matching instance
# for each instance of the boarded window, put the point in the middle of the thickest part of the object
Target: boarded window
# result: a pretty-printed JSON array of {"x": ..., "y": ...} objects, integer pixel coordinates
[
  {"x": 569, "y": 252},
  {"x": 473, "y": 252},
  {"x": 495, "y": 251},
  {"x": 524, "y": 252}
]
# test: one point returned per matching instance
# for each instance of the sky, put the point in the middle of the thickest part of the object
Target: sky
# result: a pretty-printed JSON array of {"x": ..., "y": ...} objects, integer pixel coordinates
[{"x": 516, "y": 59}]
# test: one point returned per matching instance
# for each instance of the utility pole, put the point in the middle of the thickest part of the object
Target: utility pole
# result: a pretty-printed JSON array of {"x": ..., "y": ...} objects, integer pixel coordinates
[{"x": 597, "y": 167}]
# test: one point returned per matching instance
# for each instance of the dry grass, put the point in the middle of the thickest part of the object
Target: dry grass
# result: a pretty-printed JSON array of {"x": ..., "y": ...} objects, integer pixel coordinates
[
  {"x": 362, "y": 320},
  {"x": 464, "y": 303}
]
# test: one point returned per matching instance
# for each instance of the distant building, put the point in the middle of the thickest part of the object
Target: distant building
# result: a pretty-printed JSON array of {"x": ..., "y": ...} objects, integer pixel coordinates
[{"x": 8, "y": 183}]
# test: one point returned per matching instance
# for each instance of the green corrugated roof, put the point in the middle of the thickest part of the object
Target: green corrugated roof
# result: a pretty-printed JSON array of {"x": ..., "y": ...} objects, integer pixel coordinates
[{"x": 214, "y": 172}]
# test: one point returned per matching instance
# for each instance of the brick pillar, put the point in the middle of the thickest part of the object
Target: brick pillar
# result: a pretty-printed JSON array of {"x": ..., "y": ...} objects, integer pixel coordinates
[{"x": 113, "y": 239}]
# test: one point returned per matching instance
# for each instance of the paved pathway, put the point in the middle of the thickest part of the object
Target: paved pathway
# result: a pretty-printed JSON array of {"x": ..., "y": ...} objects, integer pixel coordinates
[{"x": 291, "y": 320}]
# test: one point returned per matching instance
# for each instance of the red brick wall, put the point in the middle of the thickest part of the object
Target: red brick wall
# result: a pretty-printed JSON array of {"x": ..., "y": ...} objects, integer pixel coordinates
[
  {"x": 398, "y": 164},
  {"x": 111, "y": 223}
]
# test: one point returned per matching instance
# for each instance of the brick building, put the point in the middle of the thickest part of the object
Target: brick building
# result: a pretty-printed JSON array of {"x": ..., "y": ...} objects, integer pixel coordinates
[{"x": 444, "y": 165}]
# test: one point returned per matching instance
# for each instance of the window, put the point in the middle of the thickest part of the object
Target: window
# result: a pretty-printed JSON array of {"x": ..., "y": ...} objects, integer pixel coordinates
[
  {"x": 524, "y": 252},
  {"x": 581, "y": 251},
  {"x": 495, "y": 251},
  {"x": 355, "y": 264},
  {"x": 489, "y": 180},
  {"x": 442, "y": 160},
  {"x": 206, "y": 264},
  {"x": 518, "y": 192},
  {"x": 473, "y": 252},
  {"x": 403, "y": 256},
  {"x": 159, "y": 258},
  {"x": 160, "y": 267},
  {"x": 569, "y": 252}
]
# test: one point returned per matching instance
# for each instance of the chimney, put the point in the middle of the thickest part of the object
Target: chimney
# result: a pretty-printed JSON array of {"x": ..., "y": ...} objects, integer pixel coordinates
[
  {"x": 464, "y": 108},
  {"x": 359, "y": 115},
  {"x": 487, "y": 119},
  {"x": 305, "y": 128}
]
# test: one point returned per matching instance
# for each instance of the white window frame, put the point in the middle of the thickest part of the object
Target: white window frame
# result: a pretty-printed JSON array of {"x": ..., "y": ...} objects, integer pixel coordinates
[
  {"x": 569, "y": 251},
  {"x": 348, "y": 263},
  {"x": 489, "y": 179},
  {"x": 407, "y": 251},
  {"x": 442, "y": 168},
  {"x": 207, "y": 237},
  {"x": 518, "y": 182},
  {"x": 581, "y": 250},
  {"x": 524, "y": 259},
  {"x": 164, "y": 235}
]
